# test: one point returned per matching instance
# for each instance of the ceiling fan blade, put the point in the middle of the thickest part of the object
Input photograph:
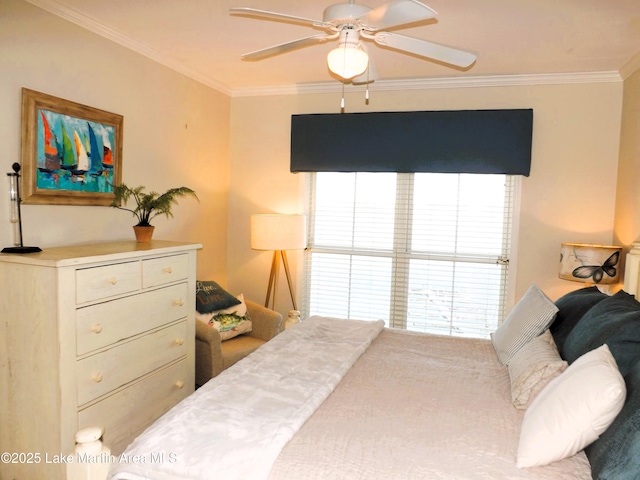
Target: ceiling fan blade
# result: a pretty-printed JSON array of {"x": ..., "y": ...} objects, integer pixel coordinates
[
  {"x": 435, "y": 51},
  {"x": 287, "y": 47},
  {"x": 398, "y": 12},
  {"x": 277, "y": 16}
]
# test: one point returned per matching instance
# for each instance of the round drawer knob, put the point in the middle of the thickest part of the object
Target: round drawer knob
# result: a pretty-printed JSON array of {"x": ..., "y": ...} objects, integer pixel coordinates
[
  {"x": 96, "y": 377},
  {"x": 113, "y": 281},
  {"x": 168, "y": 270},
  {"x": 179, "y": 302},
  {"x": 89, "y": 434},
  {"x": 97, "y": 328},
  {"x": 179, "y": 384},
  {"x": 179, "y": 341}
]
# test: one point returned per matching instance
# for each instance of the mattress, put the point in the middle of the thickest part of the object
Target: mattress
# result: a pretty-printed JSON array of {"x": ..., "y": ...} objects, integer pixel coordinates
[{"x": 343, "y": 399}]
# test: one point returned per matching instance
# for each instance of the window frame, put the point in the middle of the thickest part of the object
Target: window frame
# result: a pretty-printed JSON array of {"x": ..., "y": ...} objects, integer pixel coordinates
[{"x": 399, "y": 300}]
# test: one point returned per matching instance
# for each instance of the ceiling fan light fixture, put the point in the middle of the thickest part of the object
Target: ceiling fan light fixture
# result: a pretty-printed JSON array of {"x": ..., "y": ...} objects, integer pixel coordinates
[{"x": 347, "y": 61}]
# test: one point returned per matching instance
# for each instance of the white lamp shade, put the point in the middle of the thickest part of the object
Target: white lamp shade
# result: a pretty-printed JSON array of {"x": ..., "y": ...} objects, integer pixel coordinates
[
  {"x": 347, "y": 61},
  {"x": 278, "y": 232},
  {"x": 589, "y": 263}
]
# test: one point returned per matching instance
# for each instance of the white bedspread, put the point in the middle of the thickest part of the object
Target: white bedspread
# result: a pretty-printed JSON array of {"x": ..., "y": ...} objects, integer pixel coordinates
[
  {"x": 235, "y": 426},
  {"x": 418, "y": 407}
]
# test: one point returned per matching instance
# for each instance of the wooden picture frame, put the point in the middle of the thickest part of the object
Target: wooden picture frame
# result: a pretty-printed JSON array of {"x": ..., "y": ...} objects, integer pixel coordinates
[{"x": 71, "y": 153}]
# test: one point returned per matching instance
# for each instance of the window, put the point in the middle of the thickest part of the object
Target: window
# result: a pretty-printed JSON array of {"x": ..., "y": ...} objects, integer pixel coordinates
[{"x": 427, "y": 252}]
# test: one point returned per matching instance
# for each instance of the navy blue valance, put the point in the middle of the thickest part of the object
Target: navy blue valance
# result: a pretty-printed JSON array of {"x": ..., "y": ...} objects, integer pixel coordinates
[{"x": 460, "y": 141}]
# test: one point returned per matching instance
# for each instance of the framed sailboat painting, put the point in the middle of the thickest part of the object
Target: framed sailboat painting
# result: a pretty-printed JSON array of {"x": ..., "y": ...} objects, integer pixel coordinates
[{"x": 71, "y": 153}]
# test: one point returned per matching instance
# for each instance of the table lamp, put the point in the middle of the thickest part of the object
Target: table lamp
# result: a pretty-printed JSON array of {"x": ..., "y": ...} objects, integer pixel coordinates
[
  {"x": 589, "y": 263},
  {"x": 278, "y": 232}
]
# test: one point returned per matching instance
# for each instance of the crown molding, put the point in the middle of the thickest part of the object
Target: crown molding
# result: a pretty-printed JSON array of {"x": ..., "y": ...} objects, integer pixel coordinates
[
  {"x": 434, "y": 83},
  {"x": 95, "y": 26}
]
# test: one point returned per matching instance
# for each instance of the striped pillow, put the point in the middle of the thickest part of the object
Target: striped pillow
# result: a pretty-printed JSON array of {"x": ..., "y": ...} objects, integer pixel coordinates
[
  {"x": 529, "y": 318},
  {"x": 532, "y": 367}
]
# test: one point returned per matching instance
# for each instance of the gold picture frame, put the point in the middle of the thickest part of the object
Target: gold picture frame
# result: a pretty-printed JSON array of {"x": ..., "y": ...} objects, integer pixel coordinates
[{"x": 71, "y": 153}]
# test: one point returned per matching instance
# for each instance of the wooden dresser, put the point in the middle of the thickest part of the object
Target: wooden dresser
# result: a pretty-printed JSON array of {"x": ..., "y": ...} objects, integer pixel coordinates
[{"x": 91, "y": 335}]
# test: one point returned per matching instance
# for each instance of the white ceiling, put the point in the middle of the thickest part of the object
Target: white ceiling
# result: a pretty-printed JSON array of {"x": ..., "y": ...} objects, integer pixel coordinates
[{"x": 511, "y": 37}]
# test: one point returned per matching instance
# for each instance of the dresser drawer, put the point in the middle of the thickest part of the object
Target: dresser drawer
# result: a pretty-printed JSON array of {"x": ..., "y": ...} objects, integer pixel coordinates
[
  {"x": 163, "y": 270},
  {"x": 103, "y": 282},
  {"x": 105, "y": 371},
  {"x": 125, "y": 414},
  {"x": 106, "y": 323}
]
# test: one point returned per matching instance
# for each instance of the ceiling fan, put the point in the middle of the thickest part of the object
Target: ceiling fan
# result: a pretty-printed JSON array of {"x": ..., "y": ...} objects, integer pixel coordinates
[{"x": 350, "y": 23}]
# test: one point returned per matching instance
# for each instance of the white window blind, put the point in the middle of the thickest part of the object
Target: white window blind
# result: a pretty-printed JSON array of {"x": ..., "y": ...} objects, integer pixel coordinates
[{"x": 426, "y": 252}]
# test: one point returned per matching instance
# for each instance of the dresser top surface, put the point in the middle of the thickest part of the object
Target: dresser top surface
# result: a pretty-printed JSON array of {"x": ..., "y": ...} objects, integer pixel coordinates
[{"x": 97, "y": 252}]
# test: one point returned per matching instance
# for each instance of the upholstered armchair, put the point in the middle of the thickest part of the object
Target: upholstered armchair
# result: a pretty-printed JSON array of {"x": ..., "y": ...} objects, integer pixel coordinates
[{"x": 214, "y": 355}]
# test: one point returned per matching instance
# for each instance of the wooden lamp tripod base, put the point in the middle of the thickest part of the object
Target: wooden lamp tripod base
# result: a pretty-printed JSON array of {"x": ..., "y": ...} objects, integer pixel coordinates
[{"x": 273, "y": 279}]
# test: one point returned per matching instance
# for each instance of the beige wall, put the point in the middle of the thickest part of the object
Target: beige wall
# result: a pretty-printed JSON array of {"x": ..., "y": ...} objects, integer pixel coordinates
[
  {"x": 570, "y": 195},
  {"x": 627, "y": 221},
  {"x": 176, "y": 133}
]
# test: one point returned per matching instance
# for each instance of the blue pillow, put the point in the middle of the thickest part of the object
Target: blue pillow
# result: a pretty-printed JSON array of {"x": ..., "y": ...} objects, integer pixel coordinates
[
  {"x": 211, "y": 297},
  {"x": 614, "y": 321},
  {"x": 571, "y": 308},
  {"x": 616, "y": 454}
]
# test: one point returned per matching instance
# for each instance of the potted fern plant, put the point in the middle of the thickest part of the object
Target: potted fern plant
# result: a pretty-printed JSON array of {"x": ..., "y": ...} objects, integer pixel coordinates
[{"x": 147, "y": 206}]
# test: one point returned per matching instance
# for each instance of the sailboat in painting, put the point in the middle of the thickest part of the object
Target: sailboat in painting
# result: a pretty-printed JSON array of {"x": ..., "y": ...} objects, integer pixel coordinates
[
  {"x": 51, "y": 156},
  {"x": 95, "y": 158},
  {"x": 82, "y": 166},
  {"x": 68, "y": 155},
  {"x": 107, "y": 159}
]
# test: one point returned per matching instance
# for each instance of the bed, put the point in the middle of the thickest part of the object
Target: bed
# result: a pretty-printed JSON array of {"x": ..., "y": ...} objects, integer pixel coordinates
[{"x": 347, "y": 399}]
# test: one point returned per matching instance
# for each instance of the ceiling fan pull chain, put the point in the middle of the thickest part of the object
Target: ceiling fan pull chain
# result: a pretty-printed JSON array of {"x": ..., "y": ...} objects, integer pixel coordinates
[
  {"x": 344, "y": 68},
  {"x": 344, "y": 57},
  {"x": 366, "y": 93}
]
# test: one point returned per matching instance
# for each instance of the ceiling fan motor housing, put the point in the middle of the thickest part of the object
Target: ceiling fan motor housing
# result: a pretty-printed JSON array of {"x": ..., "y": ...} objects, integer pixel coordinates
[{"x": 344, "y": 13}]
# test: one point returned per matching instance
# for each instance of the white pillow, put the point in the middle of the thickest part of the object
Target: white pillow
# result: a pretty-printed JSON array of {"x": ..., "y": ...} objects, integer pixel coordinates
[
  {"x": 532, "y": 368},
  {"x": 531, "y": 316},
  {"x": 573, "y": 410}
]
